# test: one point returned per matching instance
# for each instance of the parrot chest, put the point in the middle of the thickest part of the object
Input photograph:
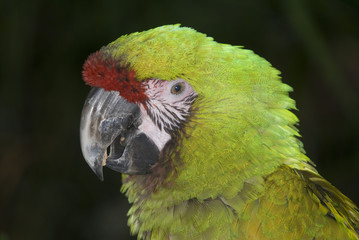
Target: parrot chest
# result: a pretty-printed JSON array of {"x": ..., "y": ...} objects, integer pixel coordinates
[{"x": 280, "y": 208}]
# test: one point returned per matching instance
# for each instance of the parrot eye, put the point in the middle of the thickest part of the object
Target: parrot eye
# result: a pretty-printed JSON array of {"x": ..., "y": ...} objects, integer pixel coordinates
[{"x": 178, "y": 88}]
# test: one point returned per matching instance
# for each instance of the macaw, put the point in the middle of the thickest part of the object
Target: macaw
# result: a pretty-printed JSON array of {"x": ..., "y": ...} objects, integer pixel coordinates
[{"x": 206, "y": 142}]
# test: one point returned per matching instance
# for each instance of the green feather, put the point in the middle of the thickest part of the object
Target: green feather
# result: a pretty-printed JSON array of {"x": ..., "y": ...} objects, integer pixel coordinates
[{"x": 239, "y": 170}]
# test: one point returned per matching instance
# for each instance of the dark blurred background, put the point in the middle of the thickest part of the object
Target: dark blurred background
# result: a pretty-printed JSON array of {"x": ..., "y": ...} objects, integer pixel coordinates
[{"x": 46, "y": 189}]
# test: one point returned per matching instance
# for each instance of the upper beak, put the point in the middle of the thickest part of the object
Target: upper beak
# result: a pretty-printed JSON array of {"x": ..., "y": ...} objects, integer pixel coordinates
[{"x": 105, "y": 116}]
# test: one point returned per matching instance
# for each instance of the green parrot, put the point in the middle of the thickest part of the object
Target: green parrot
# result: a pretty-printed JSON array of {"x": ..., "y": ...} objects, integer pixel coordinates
[{"x": 208, "y": 148}]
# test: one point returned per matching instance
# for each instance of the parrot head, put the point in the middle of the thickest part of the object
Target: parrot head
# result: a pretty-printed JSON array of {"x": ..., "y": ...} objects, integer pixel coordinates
[
  {"x": 133, "y": 120},
  {"x": 170, "y": 105}
]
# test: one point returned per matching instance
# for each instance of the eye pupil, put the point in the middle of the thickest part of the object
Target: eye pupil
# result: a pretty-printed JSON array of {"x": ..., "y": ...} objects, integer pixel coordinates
[{"x": 177, "y": 88}]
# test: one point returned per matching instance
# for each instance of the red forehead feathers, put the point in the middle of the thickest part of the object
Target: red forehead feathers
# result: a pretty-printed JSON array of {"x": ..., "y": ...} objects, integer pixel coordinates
[{"x": 100, "y": 72}]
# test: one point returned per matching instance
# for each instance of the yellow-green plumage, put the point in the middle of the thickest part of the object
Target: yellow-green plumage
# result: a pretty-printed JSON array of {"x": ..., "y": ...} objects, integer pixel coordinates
[{"x": 239, "y": 170}]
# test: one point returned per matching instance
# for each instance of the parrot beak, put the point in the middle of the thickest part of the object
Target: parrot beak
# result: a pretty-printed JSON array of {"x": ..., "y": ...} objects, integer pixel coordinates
[{"x": 109, "y": 121}]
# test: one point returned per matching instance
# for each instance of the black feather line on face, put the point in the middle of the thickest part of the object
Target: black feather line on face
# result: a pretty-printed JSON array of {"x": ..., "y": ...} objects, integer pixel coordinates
[{"x": 159, "y": 117}]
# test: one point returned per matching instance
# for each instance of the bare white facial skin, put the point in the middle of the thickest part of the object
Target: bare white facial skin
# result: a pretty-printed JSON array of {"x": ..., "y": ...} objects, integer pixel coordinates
[{"x": 167, "y": 107}]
